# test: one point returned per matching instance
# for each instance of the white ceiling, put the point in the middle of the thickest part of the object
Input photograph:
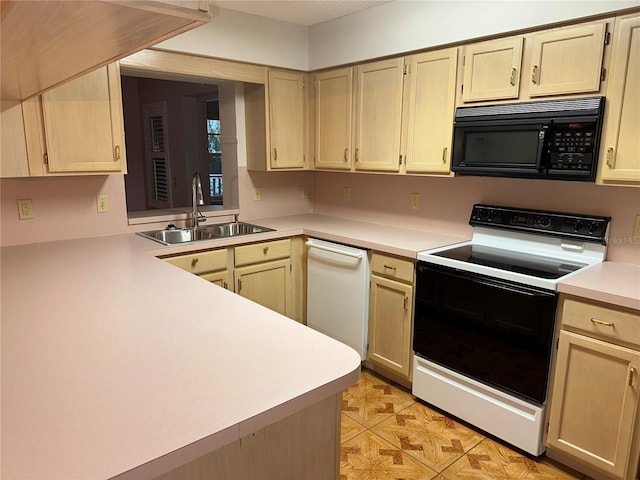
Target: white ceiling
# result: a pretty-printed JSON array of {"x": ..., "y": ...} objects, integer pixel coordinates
[{"x": 299, "y": 12}]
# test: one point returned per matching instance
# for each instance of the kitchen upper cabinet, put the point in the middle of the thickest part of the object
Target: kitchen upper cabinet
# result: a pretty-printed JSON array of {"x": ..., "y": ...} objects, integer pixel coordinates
[
  {"x": 492, "y": 70},
  {"x": 561, "y": 61},
  {"x": 77, "y": 128},
  {"x": 45, "y": 44},
  {"x": 620, "y": 153},
  {"x": 428, "y": 110},
  {"x": 567, "y": 60},
  {"x": 275, "y": 118},
  {"x": 333, "y": 99},
  {"x": 378, "y": 115},
  {"x": 596, "y": 390},
  {"x": 391, "y": 313}
]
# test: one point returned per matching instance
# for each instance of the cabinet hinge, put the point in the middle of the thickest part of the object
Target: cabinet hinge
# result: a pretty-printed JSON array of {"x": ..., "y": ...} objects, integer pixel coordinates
[
  {"x": 557, "y": 343},
  {"x": 462, "y": 88},
  {"x": 304, "y": 84},
  {"x": 46, "y": 159},
  {"x": 464, "y": 59},
  {"x": 603, "y": 74},
  {"x": 290, "y": 268},
  {"x": 304, "y": 159},
  {"x": 400, "y": 160},
  {"x": 404, "y": 69},
  {"x": 607, "y": 38},
  {"x": 547, "y": 427}
]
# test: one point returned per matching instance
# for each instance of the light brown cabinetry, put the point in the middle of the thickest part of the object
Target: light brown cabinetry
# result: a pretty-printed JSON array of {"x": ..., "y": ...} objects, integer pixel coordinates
[
  {"x": 594, "y": 404},
  {"x": 263, "y": 274},
  {"x": 561, "y": 61},
  {"x": 47, "y": 43},
  {"x": 212, "y": 265},
  {"x": 333, "y": 99},
  {"x": 77, "y": 128},
  {"x": 429, "y": 104},
  {"x": 391, "y": 313},
  {"x": 378, "y": 115},
  {"x": 276, "y": 122},
  {"x": 620, "y": 153}
]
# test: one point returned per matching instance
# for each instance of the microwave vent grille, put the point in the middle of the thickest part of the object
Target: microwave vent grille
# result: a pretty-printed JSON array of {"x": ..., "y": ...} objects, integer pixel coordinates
[{"x": 587, "y": 106}]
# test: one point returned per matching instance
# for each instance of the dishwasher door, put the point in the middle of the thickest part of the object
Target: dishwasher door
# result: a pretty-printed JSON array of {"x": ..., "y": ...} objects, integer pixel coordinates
[{"x": 338, "y": 292}]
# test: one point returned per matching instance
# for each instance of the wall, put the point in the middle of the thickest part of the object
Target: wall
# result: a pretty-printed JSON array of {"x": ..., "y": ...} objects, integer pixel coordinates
[
  {"x": 402, "y": 26},
  {"x": 445, "y": 203}
]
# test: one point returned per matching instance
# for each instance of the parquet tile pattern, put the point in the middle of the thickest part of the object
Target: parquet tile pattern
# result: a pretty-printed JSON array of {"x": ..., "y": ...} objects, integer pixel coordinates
[{"x": 388, "y": 435}]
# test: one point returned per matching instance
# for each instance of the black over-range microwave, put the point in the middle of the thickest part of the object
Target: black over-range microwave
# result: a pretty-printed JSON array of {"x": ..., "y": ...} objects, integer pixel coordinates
[{"x": 556, "y": 139}]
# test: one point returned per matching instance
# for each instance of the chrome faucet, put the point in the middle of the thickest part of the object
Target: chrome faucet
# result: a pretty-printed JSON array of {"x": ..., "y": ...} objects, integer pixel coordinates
[{"x": 196, "y": 196}]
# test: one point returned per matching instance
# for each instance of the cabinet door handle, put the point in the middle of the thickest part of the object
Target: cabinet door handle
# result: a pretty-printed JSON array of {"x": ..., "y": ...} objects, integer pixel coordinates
[
  {"x": 610, "y": 158},
  {"x": 239, "y": 285},
  {"x": 357, "y": 154},
  {"x": 632, "y": 372},
  {"x": 265, "y": 250},
  {"x": 275, "y": 154},
  {"x": 346, "y": 154},
  {"x": 534, "y": 74},
  {"x": 225, "y": 285},
  {"x": 194, "y": 261},
  {"x": 512, "y": 79},
  {"x": 601, "y": 322},
  {"x": 444, "y": 155},
  {"x": 390, "y": 267},
  {"x": 406, "y": 307},
  {"x": 117, "y": 154}
]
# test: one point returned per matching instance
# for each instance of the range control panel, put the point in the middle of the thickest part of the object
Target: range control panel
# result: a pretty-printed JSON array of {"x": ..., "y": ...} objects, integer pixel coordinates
[{"x": 567, "y": 225}]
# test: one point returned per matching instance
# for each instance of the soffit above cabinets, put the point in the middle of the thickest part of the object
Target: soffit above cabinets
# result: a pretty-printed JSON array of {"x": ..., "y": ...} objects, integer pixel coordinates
[{"x": 45, "y": 43}]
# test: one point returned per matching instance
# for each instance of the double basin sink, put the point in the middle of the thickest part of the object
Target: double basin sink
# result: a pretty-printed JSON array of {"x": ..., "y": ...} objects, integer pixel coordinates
[{"x": 174, "y": 235}]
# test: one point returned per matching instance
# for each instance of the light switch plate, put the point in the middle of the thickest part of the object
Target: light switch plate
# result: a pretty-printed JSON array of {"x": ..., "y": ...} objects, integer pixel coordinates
[
  {"x": 304, "y": 189},
  {"x": 102, "y": 202},
  {"x": 257, "y": 194},
  {"x": 346, "y": 193},
  {"x": 415, "y": 201},
  {"x": 636, "y": 228}
]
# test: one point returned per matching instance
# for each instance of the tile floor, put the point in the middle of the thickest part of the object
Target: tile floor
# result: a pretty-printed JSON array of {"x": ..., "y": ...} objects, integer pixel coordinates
[{"x": 388, "y": 435}]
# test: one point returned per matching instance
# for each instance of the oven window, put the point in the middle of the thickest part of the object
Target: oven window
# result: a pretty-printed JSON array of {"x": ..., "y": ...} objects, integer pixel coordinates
[
  {"x": 501, "y": 148},
  {"x": 496, "y": 332}
]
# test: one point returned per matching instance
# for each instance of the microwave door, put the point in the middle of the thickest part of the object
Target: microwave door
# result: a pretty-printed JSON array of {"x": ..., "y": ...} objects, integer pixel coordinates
[{"x": 500, "y": 149}]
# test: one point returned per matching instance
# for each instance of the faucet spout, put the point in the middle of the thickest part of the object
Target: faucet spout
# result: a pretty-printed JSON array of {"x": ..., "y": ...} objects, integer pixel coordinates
[{"x": 197, "y": 199}]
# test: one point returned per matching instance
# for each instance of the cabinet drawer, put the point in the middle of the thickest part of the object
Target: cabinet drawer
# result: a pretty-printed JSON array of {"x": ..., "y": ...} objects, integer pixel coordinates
[
  {"x": 392, "y": 267},
  {"x": 601, "y": 321},
  {"x": 262, "y": 252},
  {"x": 201, "y": 262}
]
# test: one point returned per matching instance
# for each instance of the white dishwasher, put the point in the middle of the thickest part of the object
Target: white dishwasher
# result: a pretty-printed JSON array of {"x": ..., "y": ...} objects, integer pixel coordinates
[{"x": 338, "y": 292}]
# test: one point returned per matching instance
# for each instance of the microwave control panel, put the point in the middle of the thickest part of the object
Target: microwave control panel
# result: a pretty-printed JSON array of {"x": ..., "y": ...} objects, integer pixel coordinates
[{"x": 572, "y": 146}]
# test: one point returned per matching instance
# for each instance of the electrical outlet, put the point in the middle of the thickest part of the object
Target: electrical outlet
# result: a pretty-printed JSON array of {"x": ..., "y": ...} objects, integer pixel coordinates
[
  {"x": 103, "y": 203},
  {"x": 304, "y": 189},
  {"x": 257, "y": 194},
  {"x": 636, "y": 229},
  {"x": 346, "y": 192},
  {"x": 252, "y": 438},
  {"x": 25, "y": 209},
  {"x": 415, "y": 200}
]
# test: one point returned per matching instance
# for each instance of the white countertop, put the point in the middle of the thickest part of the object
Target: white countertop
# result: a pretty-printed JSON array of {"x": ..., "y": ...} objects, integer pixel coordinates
[{"x": 117, "y": 363}]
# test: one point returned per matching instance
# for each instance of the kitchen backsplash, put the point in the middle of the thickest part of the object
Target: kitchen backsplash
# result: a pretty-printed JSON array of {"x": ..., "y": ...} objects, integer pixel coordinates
[{"x": 65, "y": 207}]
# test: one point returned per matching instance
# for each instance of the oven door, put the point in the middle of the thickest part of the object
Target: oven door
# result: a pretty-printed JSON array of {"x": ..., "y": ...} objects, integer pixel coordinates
[
  {"x": 500, "y": 148},
  {"x": 494, "y": 331}
]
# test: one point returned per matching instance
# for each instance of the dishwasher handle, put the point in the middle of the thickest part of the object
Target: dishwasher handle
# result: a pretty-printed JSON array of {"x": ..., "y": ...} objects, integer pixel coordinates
[{"x": 359, "y": 255}]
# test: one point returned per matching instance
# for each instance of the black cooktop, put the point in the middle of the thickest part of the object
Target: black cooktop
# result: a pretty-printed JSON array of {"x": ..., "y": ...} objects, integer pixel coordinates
[{"x": 518, "y": 262}]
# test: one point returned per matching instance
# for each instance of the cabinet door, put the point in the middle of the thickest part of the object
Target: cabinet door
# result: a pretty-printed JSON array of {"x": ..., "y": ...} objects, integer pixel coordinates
[
  {"x": 567, "y": 60},
  {"x": 83, "y": 124},
  {"x": 268, "y": 284},
  {"x": 492, "y": 70},
  {"x": 595, "y": 399},
  {"x": 286, "y": 119},
  {"x": 220, "y": 278},
  {"x": 430, "y": 106},
  {"x": 334, "y": 104},
  {"x": 378, "y": 115},
  {"x": 620, "y": 154},
  {"x": 390, "y": 313}
]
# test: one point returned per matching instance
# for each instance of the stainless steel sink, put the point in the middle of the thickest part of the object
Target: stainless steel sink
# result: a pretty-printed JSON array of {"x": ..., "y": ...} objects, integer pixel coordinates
[{"x": 171, "y": 236}]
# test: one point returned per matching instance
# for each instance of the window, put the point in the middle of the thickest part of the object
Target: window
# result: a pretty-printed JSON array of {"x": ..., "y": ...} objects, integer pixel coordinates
[{"x": 215, "y": 160}]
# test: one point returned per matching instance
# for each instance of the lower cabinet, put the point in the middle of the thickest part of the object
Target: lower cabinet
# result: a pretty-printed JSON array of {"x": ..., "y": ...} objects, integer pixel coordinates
[
  {"x": 391, "y": 314},
  {"x": 268, "y": 273},
  {"x": 593, "y": 420}
]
